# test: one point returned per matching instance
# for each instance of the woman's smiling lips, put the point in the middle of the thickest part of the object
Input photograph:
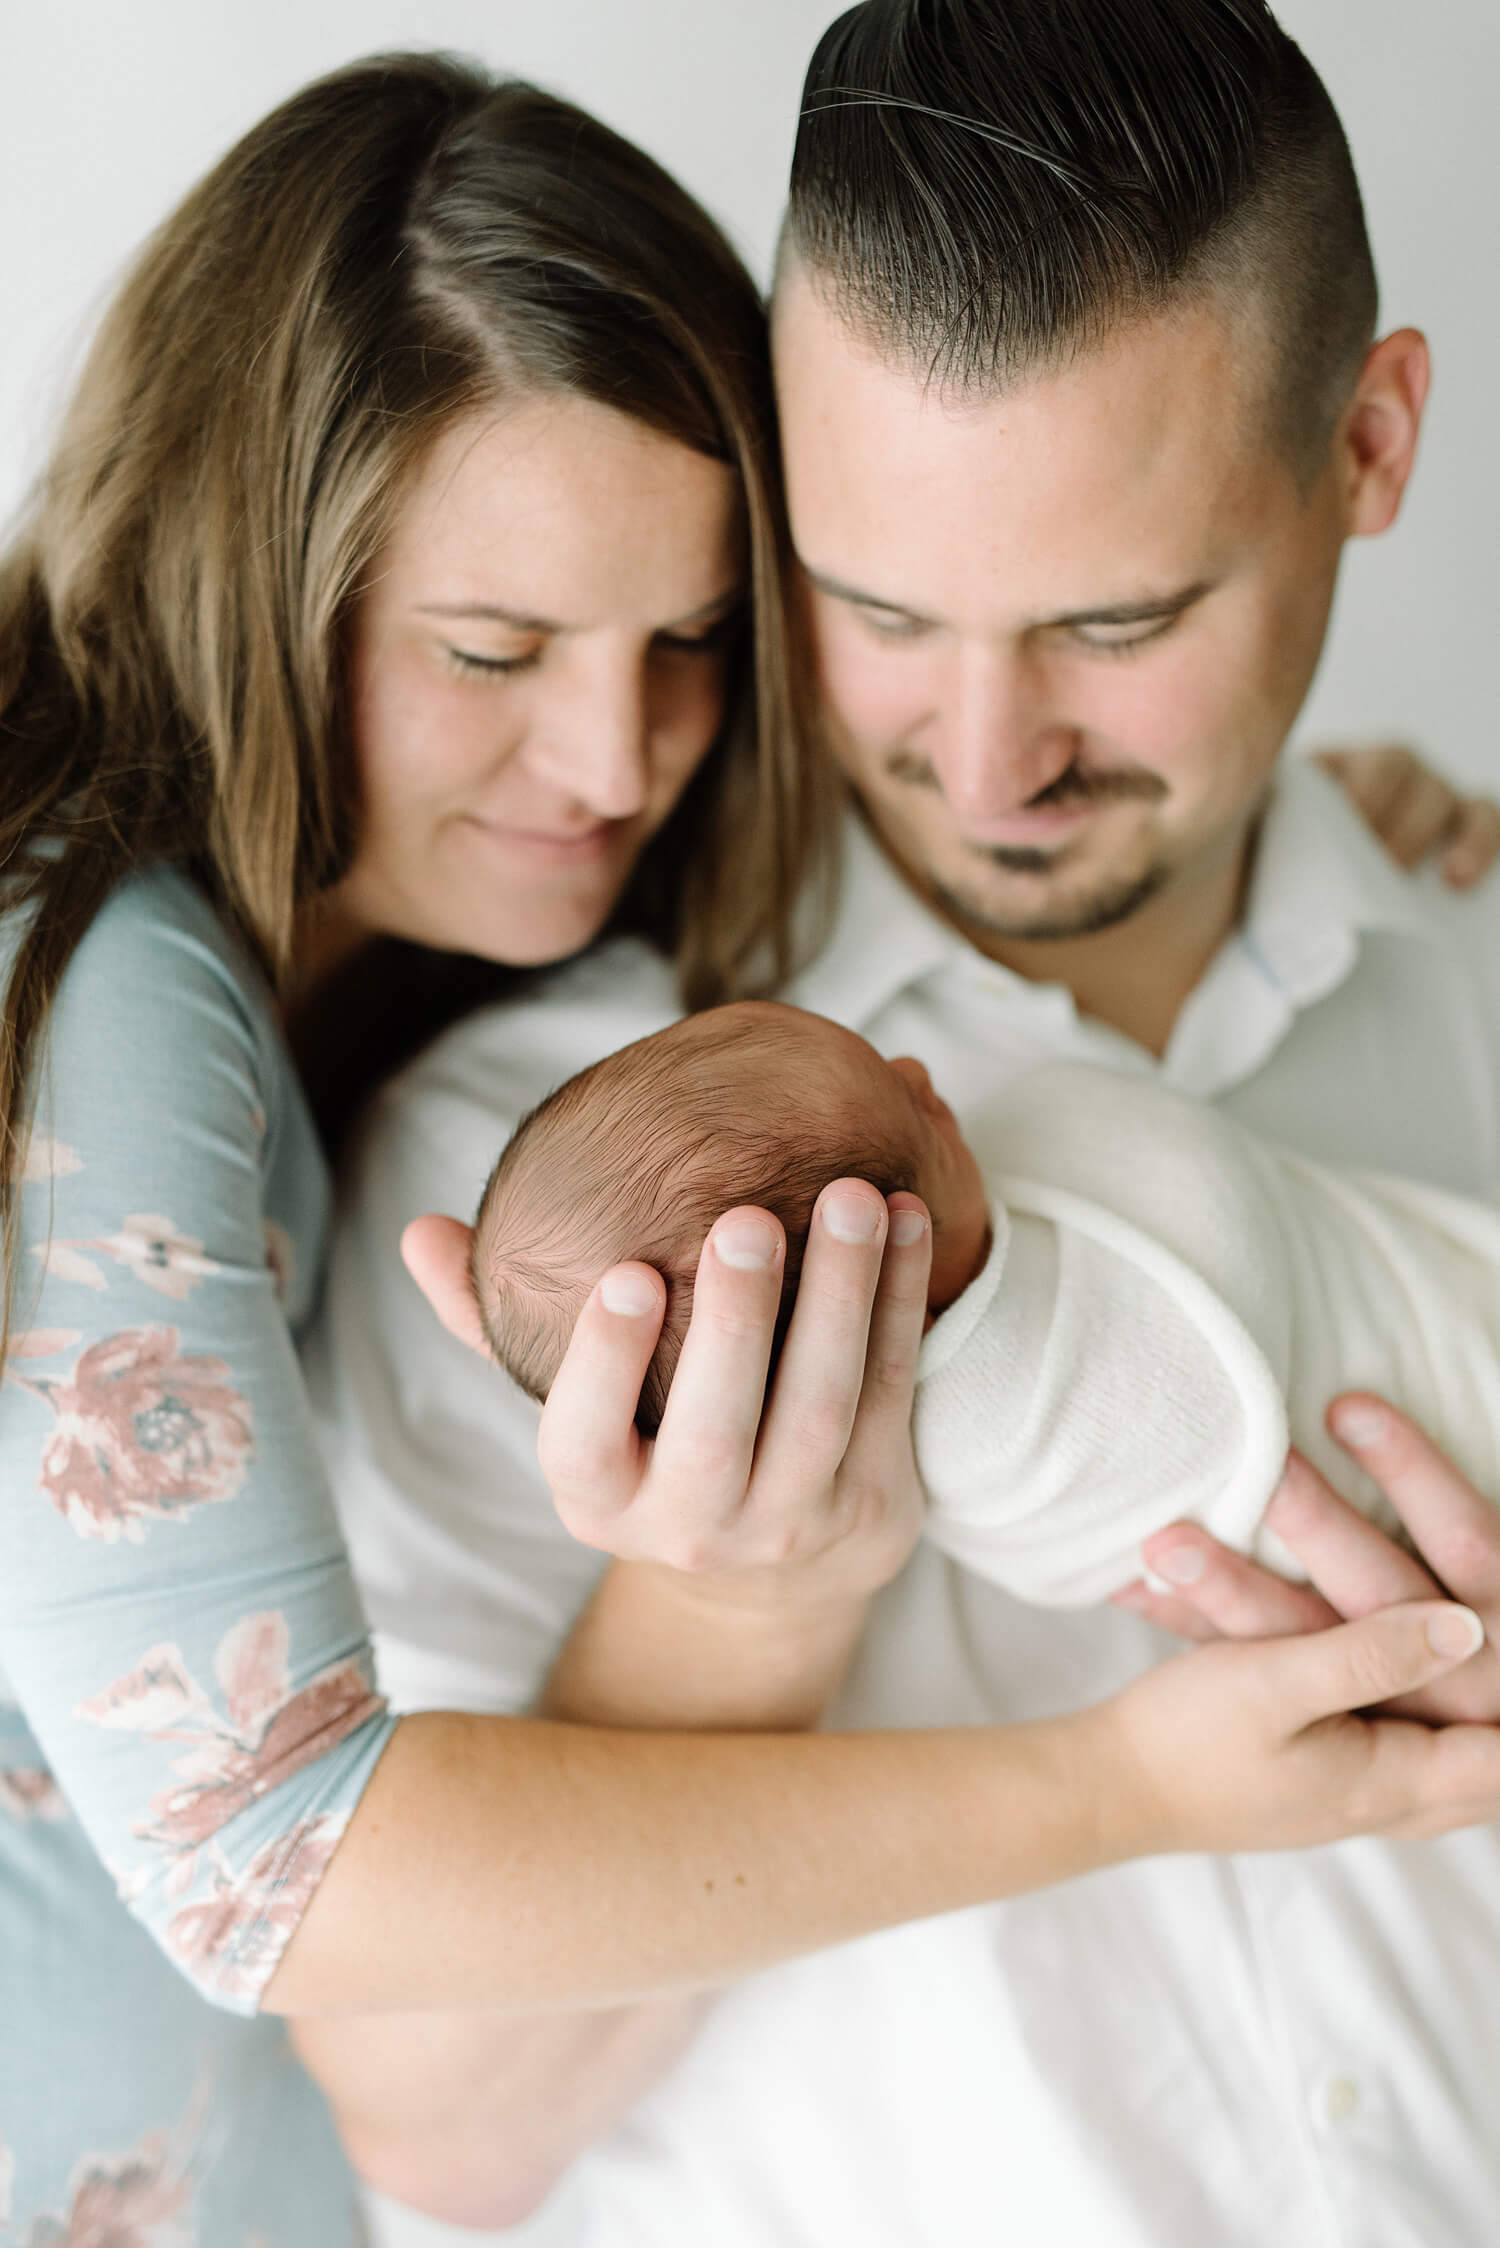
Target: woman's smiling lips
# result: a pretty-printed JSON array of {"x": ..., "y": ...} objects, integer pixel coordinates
[{"x": 556, "y": 847}]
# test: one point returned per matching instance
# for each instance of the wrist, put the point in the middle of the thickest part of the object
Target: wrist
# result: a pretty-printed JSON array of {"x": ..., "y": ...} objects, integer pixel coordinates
[
  {"x": 1125, "y": 1813},
  {"x": 661, "y": 1648}
]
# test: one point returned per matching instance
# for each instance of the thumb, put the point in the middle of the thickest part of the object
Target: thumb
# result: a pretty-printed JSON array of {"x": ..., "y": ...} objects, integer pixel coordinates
[
  {"x": 436, "y": 1253},
  {"x": 1392, "y": 1652}
]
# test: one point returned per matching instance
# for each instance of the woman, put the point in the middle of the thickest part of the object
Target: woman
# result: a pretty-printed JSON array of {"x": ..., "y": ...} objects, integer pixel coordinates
[{"x": 385, "y": 590}]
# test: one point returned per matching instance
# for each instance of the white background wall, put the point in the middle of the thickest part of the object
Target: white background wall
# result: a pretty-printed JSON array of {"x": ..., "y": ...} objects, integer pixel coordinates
[{"x": 110, "y": 108}]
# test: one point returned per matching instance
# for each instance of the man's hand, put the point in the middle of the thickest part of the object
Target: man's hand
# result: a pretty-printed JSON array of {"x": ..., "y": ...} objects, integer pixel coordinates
[
  {"x": 1415, "y": 811},
  {"x": 1353, "y": 1567}
]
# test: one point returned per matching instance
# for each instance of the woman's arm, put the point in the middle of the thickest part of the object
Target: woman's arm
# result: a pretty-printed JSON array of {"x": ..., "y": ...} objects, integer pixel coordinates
[{"x": 745, "y": 1849}]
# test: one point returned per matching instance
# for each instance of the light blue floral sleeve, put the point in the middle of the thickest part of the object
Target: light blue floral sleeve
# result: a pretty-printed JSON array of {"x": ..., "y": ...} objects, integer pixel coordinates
[{"x": 185, "y": 1680}]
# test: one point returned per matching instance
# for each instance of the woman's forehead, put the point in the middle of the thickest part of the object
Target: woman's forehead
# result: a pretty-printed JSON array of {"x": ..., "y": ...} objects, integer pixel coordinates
[{"x": 562, "y": 511}]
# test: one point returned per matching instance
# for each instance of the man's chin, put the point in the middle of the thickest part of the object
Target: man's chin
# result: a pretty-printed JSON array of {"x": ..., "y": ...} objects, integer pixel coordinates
[{"x": 1055, "y": 911}]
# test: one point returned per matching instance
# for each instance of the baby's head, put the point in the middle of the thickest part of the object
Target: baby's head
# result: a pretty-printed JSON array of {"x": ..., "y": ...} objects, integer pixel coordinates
[{"x": 634, "y": 1160}]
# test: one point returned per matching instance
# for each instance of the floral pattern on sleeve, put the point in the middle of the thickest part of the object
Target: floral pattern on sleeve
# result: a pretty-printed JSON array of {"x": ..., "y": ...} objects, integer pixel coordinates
[
  {"x": 143, "y": 1431},
  {"x": 232, "y": 1939},
  {"x": 147, "y": 1245},
  {"x": 266, "y": 1733}
]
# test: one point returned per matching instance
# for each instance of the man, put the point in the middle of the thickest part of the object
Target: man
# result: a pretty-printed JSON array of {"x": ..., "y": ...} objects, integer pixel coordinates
[{"x": 1081, "y": 398}]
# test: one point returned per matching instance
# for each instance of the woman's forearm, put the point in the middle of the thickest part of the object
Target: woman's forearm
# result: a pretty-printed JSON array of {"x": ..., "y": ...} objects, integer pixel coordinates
[
  {"x": 522, "y": 1865},
  {"x": 518, "y": 1864}
]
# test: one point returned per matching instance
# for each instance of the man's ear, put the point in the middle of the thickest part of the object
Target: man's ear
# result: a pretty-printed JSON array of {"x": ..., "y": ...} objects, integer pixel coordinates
[
  {"x": 1377, "y": 438},
  {"x": 436, "y": 1252}
]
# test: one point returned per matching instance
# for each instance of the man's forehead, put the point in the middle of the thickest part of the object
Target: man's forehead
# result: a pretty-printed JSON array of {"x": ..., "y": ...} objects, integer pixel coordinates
[{"x": 1134, "y": 458}]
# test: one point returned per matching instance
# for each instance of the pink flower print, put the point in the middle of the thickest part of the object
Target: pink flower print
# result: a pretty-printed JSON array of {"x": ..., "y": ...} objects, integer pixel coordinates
[
  {"x": 270, "y": 1732},
  {"x": 41, "y": 1342},
  {"x": 141, "y": 1432},
  {"x": 49, "y": 1159},
  {"x": 149, "y": 1246},
  {"x": 31, "y": 1794},
  {"x": 233, "y": 1939},
  {"x": 172, "y": 1263},
  {"x": 137, "y": 2200}
]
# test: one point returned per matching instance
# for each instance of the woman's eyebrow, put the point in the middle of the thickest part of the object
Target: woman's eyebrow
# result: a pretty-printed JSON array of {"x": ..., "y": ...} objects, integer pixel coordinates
[{"x": 494, "y": 612}]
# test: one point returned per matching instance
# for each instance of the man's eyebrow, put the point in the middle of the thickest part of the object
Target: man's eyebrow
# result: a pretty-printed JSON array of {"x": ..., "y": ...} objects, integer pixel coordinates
[
  {"x": 493, "y": 612},
  {"x": 1149, "y": 609},
  {"x": 842, "y": 592}
]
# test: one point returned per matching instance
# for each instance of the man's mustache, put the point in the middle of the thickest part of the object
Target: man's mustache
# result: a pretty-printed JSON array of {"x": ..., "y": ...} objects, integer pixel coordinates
[{"x": 1076, "y": 784}]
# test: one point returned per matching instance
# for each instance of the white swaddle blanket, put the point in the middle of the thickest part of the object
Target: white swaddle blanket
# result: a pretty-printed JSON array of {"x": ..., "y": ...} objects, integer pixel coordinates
[{"x": 1166, "y": 1302}]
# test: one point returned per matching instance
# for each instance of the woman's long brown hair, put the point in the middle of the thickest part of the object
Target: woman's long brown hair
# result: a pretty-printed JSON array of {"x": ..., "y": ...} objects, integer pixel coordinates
[{"x": 400, "y": 243}]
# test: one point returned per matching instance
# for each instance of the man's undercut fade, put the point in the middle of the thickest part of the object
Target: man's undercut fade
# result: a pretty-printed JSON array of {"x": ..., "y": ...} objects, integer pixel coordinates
[{"x": 985, "y": 189}]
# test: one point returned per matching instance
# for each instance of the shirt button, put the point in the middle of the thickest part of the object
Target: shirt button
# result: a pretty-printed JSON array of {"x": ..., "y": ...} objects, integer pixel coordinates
[{"x": 1341, "y": 2099}]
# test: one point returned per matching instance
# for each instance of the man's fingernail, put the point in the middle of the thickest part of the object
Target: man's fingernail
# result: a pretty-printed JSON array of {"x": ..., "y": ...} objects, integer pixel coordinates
[
  {"x": 1359, "y": 1424},
  {"x": 1181, "y": 1565},
  {"x": 745, "y": 1244},
  {"x": 907, "y": 1228},
  {"x": 1455, "y": 1631},
  {"x": 851, "y": 1217},
  {"x": 627, "y": 1294}
]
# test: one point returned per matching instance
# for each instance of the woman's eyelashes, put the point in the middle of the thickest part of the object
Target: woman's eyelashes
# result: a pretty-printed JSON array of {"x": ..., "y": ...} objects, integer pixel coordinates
[
  {"x": 469, "y": 662},
  {"x": 466, "y": 661}
]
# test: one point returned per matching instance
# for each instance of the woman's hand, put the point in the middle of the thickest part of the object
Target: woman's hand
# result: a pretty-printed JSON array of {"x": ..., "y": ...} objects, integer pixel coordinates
[
  {"x": 814, "y": 1491},
  {"x": 1414, "y": 811},
  {"x": 1254, "y": 1747},
  {"x": 1352, "y": 1566}
]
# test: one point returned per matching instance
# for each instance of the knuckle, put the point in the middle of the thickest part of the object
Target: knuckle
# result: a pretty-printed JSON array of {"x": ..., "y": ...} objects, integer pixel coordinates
[
  {"x": 890, "y": 1369},
  {"x": 1376, "y": 1670},
  {"x": 819, "y": 1428},
  {"x": 572, "y": 1463},
  {"x": 714, "y": 1462},
  {"x": 1471, "y": 1555}
]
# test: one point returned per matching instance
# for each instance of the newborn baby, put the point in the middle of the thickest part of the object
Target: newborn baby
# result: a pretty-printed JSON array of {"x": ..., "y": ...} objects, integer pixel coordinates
[{"x": 1135, "y": 1300}]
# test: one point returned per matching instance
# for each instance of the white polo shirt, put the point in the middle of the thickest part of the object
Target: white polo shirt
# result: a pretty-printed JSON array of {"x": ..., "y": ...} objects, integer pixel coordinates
[{"x": 1261, "y": 2052}]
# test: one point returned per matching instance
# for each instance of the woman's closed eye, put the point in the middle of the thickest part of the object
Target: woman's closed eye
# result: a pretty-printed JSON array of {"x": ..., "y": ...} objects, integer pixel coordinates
[{"x": 469, "y": 662}]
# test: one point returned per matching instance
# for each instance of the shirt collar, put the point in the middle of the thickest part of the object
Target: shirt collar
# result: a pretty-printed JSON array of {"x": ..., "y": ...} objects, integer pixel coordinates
[{"x": 1320, "y": 880}]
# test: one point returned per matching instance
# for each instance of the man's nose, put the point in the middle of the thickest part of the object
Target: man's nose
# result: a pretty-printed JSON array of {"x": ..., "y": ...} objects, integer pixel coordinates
[
  {"x": 591, "y": 731},
  {"x": 998, "y": 740}
]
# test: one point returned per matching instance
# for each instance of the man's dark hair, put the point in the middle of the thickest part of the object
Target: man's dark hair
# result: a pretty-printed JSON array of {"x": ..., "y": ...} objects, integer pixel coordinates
[{"x": 987, "y": 187}]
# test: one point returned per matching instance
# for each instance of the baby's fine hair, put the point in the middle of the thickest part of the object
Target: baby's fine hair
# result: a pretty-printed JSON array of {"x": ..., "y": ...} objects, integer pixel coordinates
[{"x": 634, "y": 1159}]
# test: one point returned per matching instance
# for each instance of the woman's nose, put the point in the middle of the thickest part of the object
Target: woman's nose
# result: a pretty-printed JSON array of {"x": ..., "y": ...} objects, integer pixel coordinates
[{"x": 590, "y": 734}]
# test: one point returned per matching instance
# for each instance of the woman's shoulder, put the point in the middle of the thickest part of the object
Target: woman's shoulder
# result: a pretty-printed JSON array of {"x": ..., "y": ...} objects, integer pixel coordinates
[
  {"x": 162, "y": 917},
  {"x": 158, "y": 972}
]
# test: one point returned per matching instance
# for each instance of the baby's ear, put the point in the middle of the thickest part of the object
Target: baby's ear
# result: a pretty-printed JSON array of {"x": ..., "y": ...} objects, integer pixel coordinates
[{"x": 436, "y": 1252}]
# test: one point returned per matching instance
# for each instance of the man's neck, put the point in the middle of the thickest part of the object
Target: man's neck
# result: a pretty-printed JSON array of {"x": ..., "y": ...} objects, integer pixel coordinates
[{"x": 1137, "y": 975}]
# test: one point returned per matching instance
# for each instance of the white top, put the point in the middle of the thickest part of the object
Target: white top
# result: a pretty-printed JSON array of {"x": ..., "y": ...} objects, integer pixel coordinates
[
  {"x": 1288, "y": 2051},
  {"x": 1165, "y": 1300}
]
